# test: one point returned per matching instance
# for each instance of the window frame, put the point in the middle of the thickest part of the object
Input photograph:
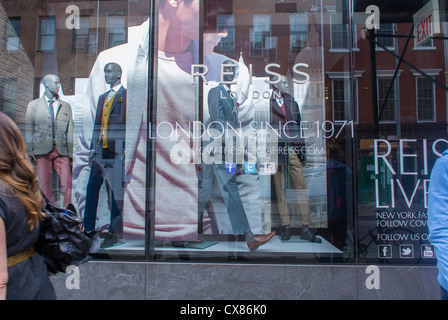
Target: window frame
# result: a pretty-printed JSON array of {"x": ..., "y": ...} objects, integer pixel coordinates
[
  {"x": 390, "y": 78},
  {"x": 379, "y": 38},
  {"x": 12, "y": 32},
  {"x": 418, "y": 99},
  {"x": 40, "y": 35}
]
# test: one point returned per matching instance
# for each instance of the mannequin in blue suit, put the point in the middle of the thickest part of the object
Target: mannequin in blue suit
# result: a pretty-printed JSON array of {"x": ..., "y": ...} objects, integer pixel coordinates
[
  {"x": 223, "y": 111},
  {"x": 110, "y": 119}
]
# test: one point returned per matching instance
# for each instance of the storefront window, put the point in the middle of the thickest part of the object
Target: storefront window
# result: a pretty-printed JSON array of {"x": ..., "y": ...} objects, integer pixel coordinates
[
  {"x": 395, "y": 148},
  {"x": 200, "y": 128},
  {"x": 242, "y": 139}
]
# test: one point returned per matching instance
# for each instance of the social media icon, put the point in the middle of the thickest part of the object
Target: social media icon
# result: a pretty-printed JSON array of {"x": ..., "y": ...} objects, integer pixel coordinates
[
  {"x": 230, "y": 167},
  {"x": 268, "y": 168},
  {"x": 249, "y": 167},
  {"x": 406, "y": 251},
  {"x": 384, "y": 251},
  {"x": 428, "y": 251}
]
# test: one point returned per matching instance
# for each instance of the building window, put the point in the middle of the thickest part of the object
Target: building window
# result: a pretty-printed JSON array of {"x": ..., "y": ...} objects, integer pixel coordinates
[
  {"x": 428, "y": 44},
  {"x": 115, "y": 30},
  {"x": 340, "y": 34},
  {"x": 388, "y": 30},
  {"x": 227, "y": 44},
  {"x": 386, "y": 114},
  {"x": 425, "y": 100},
  {"x": 260, "y": 31},
  {"x": 13, "y": 34},
  {"x": 47, "y": 33},
  {"x": 342, "y": 100},
  {"x": 298, "y": 34},
  {"x": 8, "y": 96},
  {"x": 81, "y": 35}
]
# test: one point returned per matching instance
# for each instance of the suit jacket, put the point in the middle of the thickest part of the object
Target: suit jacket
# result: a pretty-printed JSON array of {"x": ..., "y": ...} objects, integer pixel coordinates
[
  {"x": 291, "y": 120},
  {"x": 116, "y": 118},
  {"x": 221, "y": 106},
  {"x": 292, "y": 115},
  {"x": 38, "y": 128}
]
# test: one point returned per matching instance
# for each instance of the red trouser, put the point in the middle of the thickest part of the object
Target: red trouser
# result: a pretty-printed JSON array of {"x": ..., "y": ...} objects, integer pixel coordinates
[{"x": 44, "y": 166}]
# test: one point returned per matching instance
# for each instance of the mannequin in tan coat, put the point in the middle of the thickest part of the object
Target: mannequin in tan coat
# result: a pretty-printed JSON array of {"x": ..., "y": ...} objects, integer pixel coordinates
[{"x": 49, "y": 137}]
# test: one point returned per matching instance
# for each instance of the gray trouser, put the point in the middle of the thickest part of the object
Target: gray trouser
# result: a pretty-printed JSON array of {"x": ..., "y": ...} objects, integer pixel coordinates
[{"x": 229, "y": 189}]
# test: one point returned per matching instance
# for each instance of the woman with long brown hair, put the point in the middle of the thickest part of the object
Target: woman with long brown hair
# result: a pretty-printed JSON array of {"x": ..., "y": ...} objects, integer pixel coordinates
[{"x": 23, "y": 274}]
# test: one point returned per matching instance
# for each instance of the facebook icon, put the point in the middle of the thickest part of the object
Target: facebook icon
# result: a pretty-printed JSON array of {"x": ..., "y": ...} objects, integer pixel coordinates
[
  {"x": 384, "y": 251},
  {"x": 230, "y": 167}
]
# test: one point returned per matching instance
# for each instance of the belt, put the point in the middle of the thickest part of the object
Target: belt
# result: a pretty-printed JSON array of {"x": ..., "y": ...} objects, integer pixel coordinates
[{"x": 20, "y": 257}]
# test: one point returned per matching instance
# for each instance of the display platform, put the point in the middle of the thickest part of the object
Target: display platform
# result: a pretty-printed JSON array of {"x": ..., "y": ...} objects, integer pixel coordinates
[{"x": 295, "y": 245}]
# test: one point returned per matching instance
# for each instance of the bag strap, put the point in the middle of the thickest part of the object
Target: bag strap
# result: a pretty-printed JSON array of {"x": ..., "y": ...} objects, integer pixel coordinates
[{"x": 47, "y": 201}]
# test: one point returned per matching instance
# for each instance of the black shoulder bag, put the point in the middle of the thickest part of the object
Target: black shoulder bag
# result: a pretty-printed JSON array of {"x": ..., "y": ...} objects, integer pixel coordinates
[{"x": 62, "y": 238}]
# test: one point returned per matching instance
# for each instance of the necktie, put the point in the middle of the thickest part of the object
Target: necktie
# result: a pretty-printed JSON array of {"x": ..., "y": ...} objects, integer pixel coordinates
[
  {"x": 281, "y": 104},
  {"x": 111, "y": 94},
  {"x": 50, "y": 106},
  {"x": 280, "y": 101}
]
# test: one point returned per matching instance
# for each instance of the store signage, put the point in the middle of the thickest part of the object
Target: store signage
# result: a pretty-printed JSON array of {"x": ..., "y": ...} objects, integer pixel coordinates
[{"x": 426, "y": 22}]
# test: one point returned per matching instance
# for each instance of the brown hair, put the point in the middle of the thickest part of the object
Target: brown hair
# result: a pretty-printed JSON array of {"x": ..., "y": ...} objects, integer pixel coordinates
[{"x": 17, "y": 171}]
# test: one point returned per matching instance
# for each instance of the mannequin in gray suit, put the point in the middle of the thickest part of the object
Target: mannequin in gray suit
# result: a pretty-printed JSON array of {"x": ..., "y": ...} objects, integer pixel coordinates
[
  {"x": 49, "y": 138},
  {"x": 224, "y": 110}
]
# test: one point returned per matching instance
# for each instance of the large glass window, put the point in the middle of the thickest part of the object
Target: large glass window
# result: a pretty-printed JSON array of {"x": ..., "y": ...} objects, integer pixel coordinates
[
  {"x": 242, "y": 140},
  {"x": 217, "y": 130}
]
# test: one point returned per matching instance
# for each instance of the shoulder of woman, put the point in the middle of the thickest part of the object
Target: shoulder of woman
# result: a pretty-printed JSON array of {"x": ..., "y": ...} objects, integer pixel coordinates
[
  {"x": 8, "y": 200},
  {"x": 5, "y": 189},
  {"x": 4, "y": 193}
]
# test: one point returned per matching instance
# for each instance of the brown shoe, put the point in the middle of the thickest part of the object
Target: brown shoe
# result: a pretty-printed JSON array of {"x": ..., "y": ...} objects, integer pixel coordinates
[{"x": 260, "y": 240}]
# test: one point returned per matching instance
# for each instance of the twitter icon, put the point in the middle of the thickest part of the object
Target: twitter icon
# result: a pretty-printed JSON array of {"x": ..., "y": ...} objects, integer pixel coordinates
[
  {"x": 406, "y": 251},
  {"x": 249, "y": 167}
]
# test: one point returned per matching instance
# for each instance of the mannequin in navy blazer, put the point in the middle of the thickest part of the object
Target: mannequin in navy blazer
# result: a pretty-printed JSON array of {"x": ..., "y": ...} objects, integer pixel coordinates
[
  {"x": 117, "y": 117},
  {"x": 103, "y": 146}
]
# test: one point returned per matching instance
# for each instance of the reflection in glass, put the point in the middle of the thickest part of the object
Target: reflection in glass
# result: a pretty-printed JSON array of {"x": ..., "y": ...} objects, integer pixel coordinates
[
  {"x": 386, "y": 85},
  {"x": 425, "y": 100},
  {"x": 115, "y": 30},
  {"x": 13, "y": 33},
  {"x": 47, "y": 31}
]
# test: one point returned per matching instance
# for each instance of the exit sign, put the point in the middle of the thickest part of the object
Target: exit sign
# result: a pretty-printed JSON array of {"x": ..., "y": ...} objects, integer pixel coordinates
[{"x": 426, "y": 22}]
